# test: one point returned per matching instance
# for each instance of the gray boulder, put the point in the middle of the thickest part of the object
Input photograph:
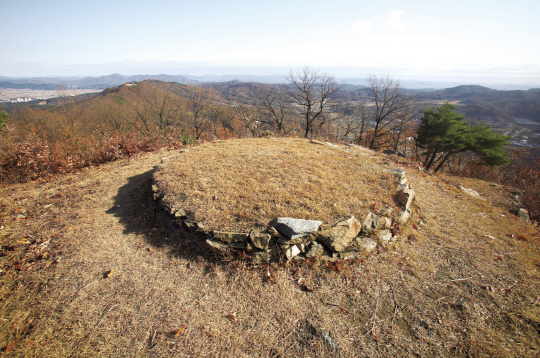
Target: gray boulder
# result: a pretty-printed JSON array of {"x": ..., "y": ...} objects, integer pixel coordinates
[
  {"x": 316, "y": 250},
  {"x": 406, "y": 197},
  {"x": 214, "y": 246},
  {"x": 341, "y": 235},
  {"x": 523, "y": 214},
  {"x": 371, "y": 223},
  {"x": 294, "y": 228},
  {"x": 366, "y": 244},
  {"x": 260, "y": 238},
  {"x": 230, "y": 237}
]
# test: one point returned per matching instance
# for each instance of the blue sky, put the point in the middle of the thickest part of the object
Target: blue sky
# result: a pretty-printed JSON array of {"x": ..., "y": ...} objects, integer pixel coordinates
[{"x": 422, "y": 39}]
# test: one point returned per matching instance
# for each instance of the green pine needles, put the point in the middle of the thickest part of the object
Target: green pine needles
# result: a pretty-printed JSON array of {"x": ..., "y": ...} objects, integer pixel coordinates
[{"x": 443, "y": 133}]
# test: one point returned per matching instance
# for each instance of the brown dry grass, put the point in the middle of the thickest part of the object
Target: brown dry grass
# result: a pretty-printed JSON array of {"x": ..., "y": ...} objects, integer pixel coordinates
[
  {"x": 236, "y": 184},
  {"x": 445, "y": 289}
]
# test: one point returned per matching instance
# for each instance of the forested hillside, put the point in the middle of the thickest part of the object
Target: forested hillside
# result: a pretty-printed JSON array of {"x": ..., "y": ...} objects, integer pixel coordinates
[{"x": 69, "y": 133}]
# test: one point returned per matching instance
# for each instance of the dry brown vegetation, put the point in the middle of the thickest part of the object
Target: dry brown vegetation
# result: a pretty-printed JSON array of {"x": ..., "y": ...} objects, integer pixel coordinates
[
  {"x": 236, "y": 184},
  {"x": 85, "y": 273},
  {"x": 522, "y": 172}
]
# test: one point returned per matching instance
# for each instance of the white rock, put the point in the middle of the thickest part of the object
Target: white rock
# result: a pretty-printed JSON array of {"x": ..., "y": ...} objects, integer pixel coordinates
[
  {"x": 469, "y": 191},
  {"x": 292, "y": 252},
  {"x": 366, "y": 244},
  {"x": 384, "y": 236}
]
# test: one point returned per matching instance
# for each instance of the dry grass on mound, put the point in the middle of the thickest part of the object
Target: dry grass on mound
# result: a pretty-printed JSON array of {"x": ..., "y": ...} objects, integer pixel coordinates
[
  {"x": 461, "y": 282},
  {"x": 236, "y": 184}
]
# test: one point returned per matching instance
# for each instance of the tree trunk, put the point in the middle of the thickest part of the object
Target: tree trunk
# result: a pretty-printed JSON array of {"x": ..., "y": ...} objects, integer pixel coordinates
[
  {"x": 445, "y": 158},
  {"x": 372, "y": 144},
  {"x": 428, "y": 165}
]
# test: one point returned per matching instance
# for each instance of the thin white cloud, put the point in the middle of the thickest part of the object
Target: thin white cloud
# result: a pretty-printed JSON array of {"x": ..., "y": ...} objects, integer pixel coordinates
[
  {"x": 361, "y": 26},
  {"x": 394, "y": 21}
]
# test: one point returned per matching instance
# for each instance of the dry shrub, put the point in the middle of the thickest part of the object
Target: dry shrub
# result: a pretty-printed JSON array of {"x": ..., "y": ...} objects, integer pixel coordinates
[
  {"x": 528, "y": 179},
  {"x": 28, "y": 159},
  {"x": 32, "y": 156},
  {"x": 520, "y": 173},
  {"x": 122, "y": 146}
]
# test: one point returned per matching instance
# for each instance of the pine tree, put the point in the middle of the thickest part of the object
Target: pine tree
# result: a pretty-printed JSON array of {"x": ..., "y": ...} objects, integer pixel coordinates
[{"x": 444, "y": 133}]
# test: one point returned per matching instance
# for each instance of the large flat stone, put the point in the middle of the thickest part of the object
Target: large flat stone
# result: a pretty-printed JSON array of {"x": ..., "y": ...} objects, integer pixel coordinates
[
  {"x": 214, "y": 246},
  {"x": 293, "y": 228},
  {"x": 230, "y": 237}
]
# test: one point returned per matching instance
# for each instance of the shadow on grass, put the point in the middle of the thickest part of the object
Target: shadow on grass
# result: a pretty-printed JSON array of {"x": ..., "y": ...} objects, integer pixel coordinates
[{"x": 139, "y": 214}]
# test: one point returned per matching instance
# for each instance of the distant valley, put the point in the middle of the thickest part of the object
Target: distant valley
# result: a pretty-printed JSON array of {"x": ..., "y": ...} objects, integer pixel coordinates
[{"x": 512, "y": 112}]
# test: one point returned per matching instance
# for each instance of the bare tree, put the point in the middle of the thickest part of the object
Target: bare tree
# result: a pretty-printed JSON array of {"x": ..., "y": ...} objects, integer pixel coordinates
[
  {"x": 390, "y": 103},
  {"x": 272, "y": 107},
  {"x": 313, "y": 94},
  {"x": 199, "y": 100},
  {"x": 361, "y": 120},
  {"x": 345, "y": 126},
  {"x": 158, "y": 107},
  {"x": 115, "y": 114},
  {"x": 248, "y": 118},
  {"x": 404, "y": 125}
]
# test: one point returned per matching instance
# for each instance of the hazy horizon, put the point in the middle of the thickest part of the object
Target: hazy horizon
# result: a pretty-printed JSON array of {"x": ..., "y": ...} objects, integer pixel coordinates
[
  {"x": 469, "y": 42},
  {"x": 410, "y": 79}
]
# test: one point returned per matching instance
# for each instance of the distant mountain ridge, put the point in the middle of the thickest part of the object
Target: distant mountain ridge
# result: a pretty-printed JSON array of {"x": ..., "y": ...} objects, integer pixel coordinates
[
  {"x": 102, "y": 82},
  {"x": 116, "y": 79}
]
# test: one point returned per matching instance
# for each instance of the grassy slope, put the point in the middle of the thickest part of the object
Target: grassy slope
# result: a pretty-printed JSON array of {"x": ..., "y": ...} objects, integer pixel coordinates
[{"x": 444, "y": 290}]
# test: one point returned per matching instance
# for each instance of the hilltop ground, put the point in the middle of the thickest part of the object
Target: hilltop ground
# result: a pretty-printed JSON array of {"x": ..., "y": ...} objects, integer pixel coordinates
[{"x": 85, "y": 273}]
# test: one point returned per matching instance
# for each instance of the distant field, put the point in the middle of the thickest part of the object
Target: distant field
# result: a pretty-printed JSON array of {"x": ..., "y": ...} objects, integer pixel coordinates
[{"x": 9, "y": 93}]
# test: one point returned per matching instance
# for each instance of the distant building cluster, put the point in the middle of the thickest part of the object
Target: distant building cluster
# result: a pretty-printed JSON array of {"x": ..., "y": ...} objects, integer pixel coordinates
[
  {"x": 19, "y": 99},
  {"x": 132, "y": 83}
]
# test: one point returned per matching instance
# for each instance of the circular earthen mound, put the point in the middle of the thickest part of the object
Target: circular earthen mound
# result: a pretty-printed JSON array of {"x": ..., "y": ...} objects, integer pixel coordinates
[{"x": 236, "y": 185}]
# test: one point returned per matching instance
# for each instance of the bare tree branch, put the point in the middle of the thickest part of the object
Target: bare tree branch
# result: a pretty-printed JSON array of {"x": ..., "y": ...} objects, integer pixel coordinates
[
  {"x": 390, "y": 100},
  {"x": 312, "y": 93}
]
